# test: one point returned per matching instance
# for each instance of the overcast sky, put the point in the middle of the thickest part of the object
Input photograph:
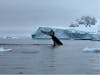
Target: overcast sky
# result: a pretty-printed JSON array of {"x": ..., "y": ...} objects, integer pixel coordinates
[{"x": 23, "y": 16}]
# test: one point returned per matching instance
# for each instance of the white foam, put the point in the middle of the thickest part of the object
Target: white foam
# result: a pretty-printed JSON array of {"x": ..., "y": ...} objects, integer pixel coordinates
[
  {"x": 91, "y": 49},
  {"x": 3, "y": 49}
]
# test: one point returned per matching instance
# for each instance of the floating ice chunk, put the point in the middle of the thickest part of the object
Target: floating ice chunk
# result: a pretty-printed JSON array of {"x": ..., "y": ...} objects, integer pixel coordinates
[
  {"x": 91, "y": 50},
  {"x": 3, "y": 49}
]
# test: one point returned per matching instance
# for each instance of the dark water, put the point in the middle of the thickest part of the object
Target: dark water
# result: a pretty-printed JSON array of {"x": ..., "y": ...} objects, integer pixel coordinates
[{"x": 39, "y": 57}]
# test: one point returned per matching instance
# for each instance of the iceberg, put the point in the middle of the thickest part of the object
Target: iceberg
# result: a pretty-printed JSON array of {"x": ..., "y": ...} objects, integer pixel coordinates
[
  {"x": 5, "y": 50},
  {"x": 95, "y": 50},
  {"x": 61, "y": 33},
  {"x": 77, "y": 33},
  {"x": 95, "y": 37},
  {"x": 15, "y": 37}
]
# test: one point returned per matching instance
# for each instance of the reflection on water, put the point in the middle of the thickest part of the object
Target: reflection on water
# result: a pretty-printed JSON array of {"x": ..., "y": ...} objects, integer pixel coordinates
[
  {"x": 95, "y": 61},
  {"x": 29, "y": 52},
  {"x": 45, "y": 59},
  {"x": 48, "y": 62}
]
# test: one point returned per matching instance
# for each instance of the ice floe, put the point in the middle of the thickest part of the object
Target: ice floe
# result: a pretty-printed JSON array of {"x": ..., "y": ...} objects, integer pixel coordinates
[
  {"x": 96, "y": 50},
  {"x": 2, "y": 49}
]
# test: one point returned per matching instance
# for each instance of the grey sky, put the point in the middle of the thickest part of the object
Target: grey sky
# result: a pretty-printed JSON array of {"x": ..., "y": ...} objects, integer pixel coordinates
[{"x": 23, "y": 16}]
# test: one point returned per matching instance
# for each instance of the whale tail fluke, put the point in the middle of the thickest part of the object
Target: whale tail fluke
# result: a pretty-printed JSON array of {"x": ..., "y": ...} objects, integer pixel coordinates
[{"x": 54, "y": 38}]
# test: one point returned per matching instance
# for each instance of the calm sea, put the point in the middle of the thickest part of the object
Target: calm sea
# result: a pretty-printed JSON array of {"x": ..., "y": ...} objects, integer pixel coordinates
[{"x": 39, "y": 57}]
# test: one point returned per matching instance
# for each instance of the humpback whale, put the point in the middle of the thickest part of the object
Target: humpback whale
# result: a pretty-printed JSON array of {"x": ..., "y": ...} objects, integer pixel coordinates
[{"x": 56, "y": 41}]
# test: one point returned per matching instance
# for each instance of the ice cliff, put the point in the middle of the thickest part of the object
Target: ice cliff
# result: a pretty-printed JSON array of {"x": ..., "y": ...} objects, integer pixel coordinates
[
  {"x": 81, "y": 32},
  {"x": 62, "y": 33}
]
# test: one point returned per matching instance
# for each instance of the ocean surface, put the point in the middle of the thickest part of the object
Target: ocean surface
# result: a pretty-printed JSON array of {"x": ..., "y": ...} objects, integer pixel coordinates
[{"x": 27, "y": 56}]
